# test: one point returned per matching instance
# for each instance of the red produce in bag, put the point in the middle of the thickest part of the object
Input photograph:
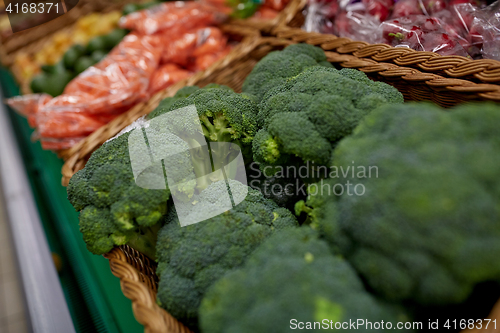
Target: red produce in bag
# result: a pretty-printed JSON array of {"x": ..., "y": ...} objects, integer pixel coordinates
[
  {"x": 177, "y": 17},
  {"x": 193, "y": 44},
  {"x": 421, "y": 33},
  {"x": 165, "y": 76},
  {"x": 28, "y": 105},
  {"x": 204, "y": 61}
]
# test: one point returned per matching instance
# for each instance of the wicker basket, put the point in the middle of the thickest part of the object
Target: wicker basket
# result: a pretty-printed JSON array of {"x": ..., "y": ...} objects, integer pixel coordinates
[
  {"x": 418, "y": 75},
  {"x": 135, "y": 271}
]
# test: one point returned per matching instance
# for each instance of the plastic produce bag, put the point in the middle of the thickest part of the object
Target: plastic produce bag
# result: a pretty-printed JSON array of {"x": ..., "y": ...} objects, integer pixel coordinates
[
  {"x": 193, "y": 44},
  {"x": 29, "y": 105},
  {"x": 167, "y": 75},
  {"x": 177, "y": 17},
  {"x": 204, "y": 61},
  {"x": 485, "y": 30},
  {"x": 421, "y": 33},
  {"x": 442, "y": 26}
]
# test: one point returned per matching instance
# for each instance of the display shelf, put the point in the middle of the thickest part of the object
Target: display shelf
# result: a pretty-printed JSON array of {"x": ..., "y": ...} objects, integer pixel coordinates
[{"x": 93, "y": 294}]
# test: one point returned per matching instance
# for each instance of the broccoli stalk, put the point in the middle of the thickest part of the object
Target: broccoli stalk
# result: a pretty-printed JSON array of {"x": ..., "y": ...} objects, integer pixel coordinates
[{"x": 144, "y": 240}]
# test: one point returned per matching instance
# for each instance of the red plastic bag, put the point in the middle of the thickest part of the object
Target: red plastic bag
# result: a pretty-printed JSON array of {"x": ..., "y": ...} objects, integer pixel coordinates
[
  {"x": 28, "y": 105},
  {"x": 192, "y": 44},
  {"x": 165, "y": 76},
  {"x": 203, "y": 62},
  {"x": 177, "y": 17}
]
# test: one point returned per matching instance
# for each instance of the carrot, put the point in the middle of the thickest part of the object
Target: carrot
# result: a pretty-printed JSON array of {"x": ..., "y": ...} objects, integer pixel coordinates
[{"x": 165, "y": 76}]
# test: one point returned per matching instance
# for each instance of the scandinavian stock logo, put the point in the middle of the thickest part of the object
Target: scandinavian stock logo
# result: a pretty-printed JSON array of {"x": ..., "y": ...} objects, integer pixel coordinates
[{"x": 205, "y": 178}]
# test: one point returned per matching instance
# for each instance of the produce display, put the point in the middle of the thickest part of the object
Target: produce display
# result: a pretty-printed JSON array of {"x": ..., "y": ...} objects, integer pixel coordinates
[
  {"x": 147, "y": 60},
  {"x": 314, "y": 195},
  {"x": 76, "y": 59},
  {"x": 87, "y": 27},
  {"x": 421, "y": 235},
  {"x": 467, "y": 28}
]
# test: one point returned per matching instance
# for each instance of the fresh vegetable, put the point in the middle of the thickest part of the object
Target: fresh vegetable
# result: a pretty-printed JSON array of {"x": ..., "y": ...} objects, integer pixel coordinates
[
  {"x": 277, "y": 66},
  {"x": 113, "y": 209},
  {"x": 225, "y": 117},
  {"x": 292, "y": 278},
  {"x": 193, "y": 257},
  {"x": 105, "y": 191},
  {"x": 305, "y": 117},
  {"x": 75, "y": 60},
  {"x": 424, "y": 226},
  {"x": 53, "y": 51}
]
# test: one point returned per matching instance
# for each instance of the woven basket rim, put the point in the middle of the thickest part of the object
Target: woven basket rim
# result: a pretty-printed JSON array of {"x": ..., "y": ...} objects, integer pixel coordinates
[{"x": 482, "y": 70}]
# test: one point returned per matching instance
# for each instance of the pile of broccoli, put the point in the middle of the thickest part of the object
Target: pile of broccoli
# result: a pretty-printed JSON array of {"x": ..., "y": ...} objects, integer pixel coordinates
[
  {"x": 426, "y": 230},
  {"x": 292, "y": 280},
  {"x": 304, "y": 117},
  {"x": 423, "y": 230}
]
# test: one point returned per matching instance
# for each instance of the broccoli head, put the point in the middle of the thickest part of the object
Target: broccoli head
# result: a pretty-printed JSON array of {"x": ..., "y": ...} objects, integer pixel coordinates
[
  {"x": 425, "y": 227},
  {"x": 305, "y": 117},
  {"x": 291, "y": 275},
  {"x": 277, "y": 66},
  {"x": 225, "y": 117},
  {"x": 114, "y": 209},
  {"x": 193, "y": 257}
]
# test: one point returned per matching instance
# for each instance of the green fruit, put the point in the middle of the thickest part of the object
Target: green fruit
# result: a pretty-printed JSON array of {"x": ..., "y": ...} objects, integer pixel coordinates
[
  {"x": 98, "y": 55},
  {"x": 96, "y": 43},
  {"x": 83, "y": 63},
  {"x": 49, "y": 69},
  {"x": 54, "y": 84},
  {"x": 130, "y": 8},
  {"x": 39, "y": 82},
  {"x": 114, "y": 37},
  {"x": 72, "y": 55}
]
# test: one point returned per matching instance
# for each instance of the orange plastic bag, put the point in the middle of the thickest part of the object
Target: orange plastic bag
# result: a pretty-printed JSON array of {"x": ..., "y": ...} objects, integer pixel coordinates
[
  {"x": 165, "y": 76},
  {"x": 177, "y": 17},
  {"x": 28, "y": 105},
  {"x": 58, "y": 144},
  {"x": 192, "y": 44},
  {"x": 204, "y": 61},
  {"x": 62, "y": 125}
]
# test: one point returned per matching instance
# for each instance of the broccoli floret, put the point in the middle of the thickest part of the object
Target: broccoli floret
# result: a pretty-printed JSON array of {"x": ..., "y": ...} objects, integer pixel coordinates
[
  {"x": 193, "y": 257},
  {"x": 106, "y": 187},
  {"x": 277, "y": 66},
  {"x": 101, "y": 233},
  {"x": 113, "y": 209},
  {"x": 225, "y": 116},
  {"x": 305, "y": 117},
  {"x": 425, "y": 229},
  {"x": 166, "y": 103},
  {"x": 291, "y": 275}
]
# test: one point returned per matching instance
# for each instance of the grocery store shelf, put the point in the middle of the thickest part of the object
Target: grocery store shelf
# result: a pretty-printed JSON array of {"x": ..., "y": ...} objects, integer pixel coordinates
[{"x": 46, "y": 305}]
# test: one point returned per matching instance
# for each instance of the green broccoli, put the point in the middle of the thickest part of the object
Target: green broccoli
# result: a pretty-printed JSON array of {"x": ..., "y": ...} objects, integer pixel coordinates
[
  {"x": 290, "y": 278},
  {"x": 305, "y": 117},
  {"x": 193, "y": 257},
  {"x": 277, "y": 66},
  {"x": 424, "y": 230},
  {"x": 225, "y": 116},
  {"x": 114, "y": 210}
]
